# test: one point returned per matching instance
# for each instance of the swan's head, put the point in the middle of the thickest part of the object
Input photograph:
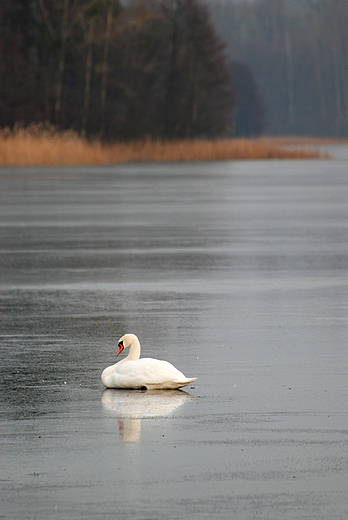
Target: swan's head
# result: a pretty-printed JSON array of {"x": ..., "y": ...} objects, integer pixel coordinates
[{"x": 126, "y": 341}]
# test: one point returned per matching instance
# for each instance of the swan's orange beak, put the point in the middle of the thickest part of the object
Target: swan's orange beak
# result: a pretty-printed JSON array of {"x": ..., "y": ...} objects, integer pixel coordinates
[{"x": 120, "y": 348}]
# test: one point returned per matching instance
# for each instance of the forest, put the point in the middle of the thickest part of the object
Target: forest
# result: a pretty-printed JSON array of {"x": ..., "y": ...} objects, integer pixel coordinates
[
  {"x": 150, "y": 68},
  {"x": 298, "y": 53},
  {"x": 175, "y": 69}
]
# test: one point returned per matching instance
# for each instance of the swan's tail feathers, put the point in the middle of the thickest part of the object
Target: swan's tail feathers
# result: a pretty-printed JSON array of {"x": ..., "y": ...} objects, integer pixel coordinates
[
  {"x": 186, "y": 382},
  {"x": 169, "y": 385}
]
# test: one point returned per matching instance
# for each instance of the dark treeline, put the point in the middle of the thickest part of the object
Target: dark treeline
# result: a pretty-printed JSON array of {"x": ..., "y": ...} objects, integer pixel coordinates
[
  {"x": 145, "y": 68},
  {"x": 157, "y": 67},
  {"x": 298, "y": 51}
]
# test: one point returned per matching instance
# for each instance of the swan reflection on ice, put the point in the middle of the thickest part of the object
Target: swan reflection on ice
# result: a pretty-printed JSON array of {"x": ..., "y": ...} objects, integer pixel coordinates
[
  {"x": 141, "y": 404},
  {"x": 132, "y": 406}
]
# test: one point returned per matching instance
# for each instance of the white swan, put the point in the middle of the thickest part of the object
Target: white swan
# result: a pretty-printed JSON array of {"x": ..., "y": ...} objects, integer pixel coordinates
[{"x": 148, "y": 373}]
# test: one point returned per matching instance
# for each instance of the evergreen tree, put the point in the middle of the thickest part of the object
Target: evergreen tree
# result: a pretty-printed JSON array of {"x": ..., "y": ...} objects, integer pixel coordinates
[{"x": 199, "y": 97}]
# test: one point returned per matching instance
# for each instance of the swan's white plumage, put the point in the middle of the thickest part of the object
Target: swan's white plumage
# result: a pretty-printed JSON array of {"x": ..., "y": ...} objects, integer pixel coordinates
[{"x": 149, "y": 373}]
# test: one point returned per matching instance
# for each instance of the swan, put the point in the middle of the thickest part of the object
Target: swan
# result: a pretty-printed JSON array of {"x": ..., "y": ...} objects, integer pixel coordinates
[{"x": 146, "y": 373}]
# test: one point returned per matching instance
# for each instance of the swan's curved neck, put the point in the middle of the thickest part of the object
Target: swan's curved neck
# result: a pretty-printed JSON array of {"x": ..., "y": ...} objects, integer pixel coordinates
[{"x": 134, "y": 350}]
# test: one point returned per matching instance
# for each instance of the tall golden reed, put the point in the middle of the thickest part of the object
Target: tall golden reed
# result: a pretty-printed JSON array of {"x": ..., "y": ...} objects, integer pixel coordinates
[{"x": 40, "y": 145}]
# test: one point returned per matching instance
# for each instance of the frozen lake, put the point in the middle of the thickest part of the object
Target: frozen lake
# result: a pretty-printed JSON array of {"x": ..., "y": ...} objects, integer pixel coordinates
[{"x": 235, "y": 272}]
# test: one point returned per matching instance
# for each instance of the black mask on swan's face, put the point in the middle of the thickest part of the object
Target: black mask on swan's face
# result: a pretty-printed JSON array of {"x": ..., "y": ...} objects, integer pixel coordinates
[
  {"x": 127, "y": 340},
  {"x": 120, "y": 348}
]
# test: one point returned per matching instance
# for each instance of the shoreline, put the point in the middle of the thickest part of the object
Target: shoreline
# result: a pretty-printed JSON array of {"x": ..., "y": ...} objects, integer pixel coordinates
[{"x": 35, "y": 146}]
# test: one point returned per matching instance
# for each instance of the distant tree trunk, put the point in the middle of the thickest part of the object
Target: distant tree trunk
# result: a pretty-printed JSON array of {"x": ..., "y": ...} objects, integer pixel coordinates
[
  {"x": 48, "y": 22},
  {"x": 46, "y": 96},
  {"x": 170, "y": 102},
  {"x": 105, "y": 67},
  {"x": 290, "y": 77},
  {"x": 195, "y": 96},
  {"x": 337, "y": 83},
  {"x": 319, "y": 75},
  {"x": 61, "y": 63},
  {"x": 89, "y": 61}
]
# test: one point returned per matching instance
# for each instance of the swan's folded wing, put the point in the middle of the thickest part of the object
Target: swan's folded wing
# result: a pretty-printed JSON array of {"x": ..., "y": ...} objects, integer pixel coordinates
[{"x": 149, "y": 373}]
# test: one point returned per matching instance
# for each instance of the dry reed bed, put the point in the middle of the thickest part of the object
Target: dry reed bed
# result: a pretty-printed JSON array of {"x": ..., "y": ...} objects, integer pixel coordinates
[
  {"x": 35, "y": 146},
  {"x": 307, "y": 141}
]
